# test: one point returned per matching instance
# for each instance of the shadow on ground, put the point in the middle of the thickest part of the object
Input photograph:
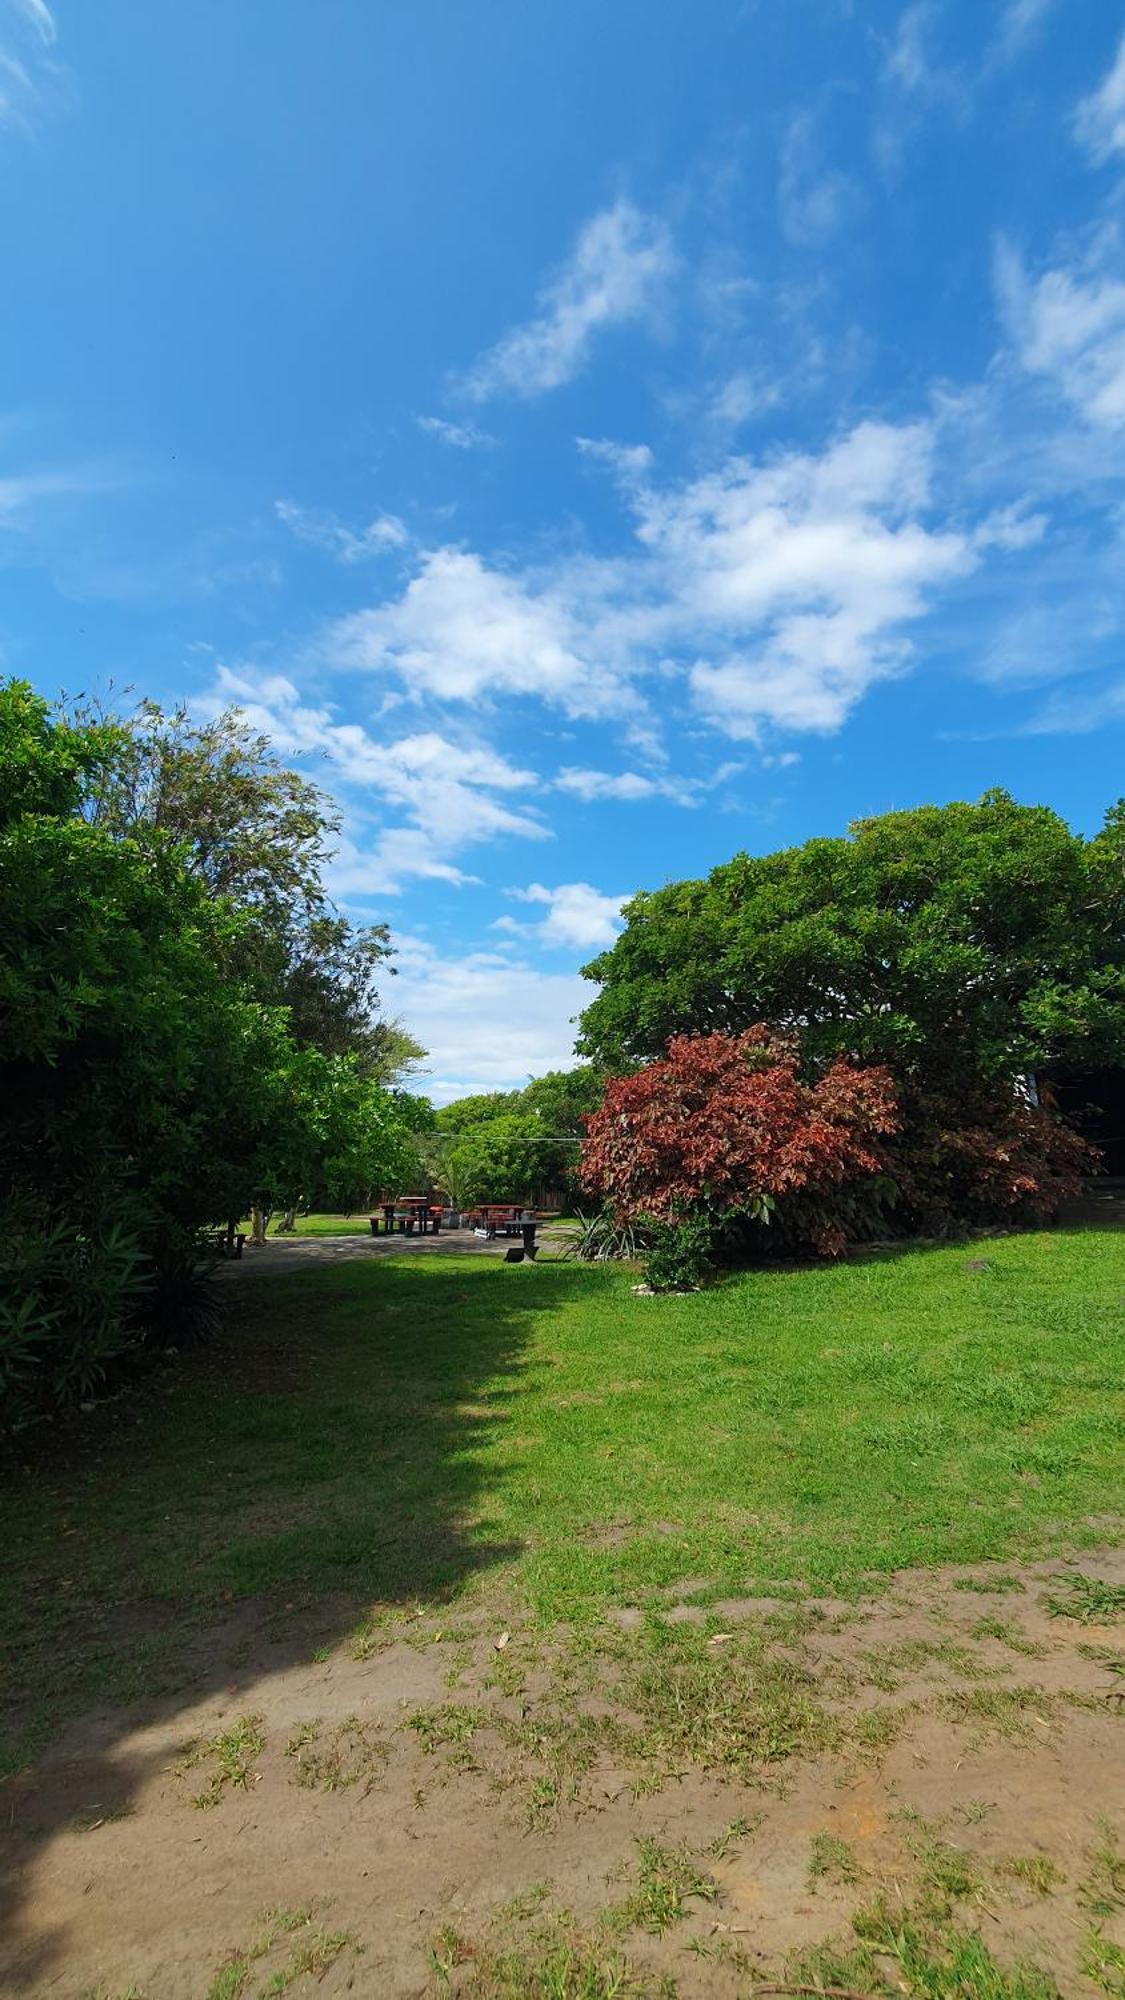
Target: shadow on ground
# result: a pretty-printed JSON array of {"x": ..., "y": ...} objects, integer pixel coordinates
[{"x": 240, "y": 1513}]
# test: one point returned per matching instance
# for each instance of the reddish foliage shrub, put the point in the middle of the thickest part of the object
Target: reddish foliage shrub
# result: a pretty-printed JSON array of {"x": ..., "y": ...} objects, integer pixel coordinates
[
  {"x": 984, "y": 1160},
  {"x": 724, "y": 1120}
]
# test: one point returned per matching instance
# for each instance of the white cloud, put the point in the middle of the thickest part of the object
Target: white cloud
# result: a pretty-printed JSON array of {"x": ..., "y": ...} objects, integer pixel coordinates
[
  {"x": 39, "y": 16},
  {"x": 460, "y": 437},
  {"x": 633, "y": 787},
  {"x": 1068, "y": 326},
  {"x": 489, "y": 1023},
  {"x": 464, "y": 632},
  {"x": 323, "y": 531},
  {"x": 1020, "y": 22},
  {"x": 743, "y": 395},
  {"x": 914, "y": 78},
  {"x": 453, "y": 793},
  {"x": 20, "y": 491},
  {"x": 28, "y": 72},
  {"x": 578, "y": 916},
  {"x": 815, "y": 200},
  {"x": 778, "y": 589},
  {"x": 1011, "y": 528},
  {"x": 614, "y": 275},
  {"x": 798, "y": 575},
  {"x": 1067, "y": 715},
  {"x": 630, "y": 786},
  {"x": 1099, "y": 121}
]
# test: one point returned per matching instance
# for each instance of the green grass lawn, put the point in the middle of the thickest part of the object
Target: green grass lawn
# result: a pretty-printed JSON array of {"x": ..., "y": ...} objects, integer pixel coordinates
[
  {"x": 424, "y": 1430},
  {"x": 324, "y": 1225}
]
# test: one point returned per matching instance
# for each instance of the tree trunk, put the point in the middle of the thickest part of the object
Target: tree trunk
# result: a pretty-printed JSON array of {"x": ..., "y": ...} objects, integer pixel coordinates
[{"x": 259, "y": 1217}]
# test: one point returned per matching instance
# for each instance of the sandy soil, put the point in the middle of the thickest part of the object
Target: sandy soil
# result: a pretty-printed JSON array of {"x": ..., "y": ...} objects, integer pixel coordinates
[{"x": 395, "y": 1804}]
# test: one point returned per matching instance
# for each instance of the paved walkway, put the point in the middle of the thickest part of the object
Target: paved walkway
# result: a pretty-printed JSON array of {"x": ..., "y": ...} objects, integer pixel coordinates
[{"x": 293, "y": 1253}]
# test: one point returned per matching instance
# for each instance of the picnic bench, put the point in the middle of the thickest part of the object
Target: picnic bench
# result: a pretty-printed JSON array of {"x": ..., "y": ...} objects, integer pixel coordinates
[{"x": 407, "y": 1213}]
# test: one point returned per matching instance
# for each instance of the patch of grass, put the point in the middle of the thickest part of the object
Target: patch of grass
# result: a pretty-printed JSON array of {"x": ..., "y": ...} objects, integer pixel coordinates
[
  {"x": 942, "y": 1962},
  {"x": 1011, "y": 1635},
  {"x": 1006, "y": 1711},
  {"x": 1089, "y": 1600},
  {"x": 1102, "y": 1890},
  {"x": 888, "y": 1666},
  {"x": 234, "y": 1753},
  {"x": 312, "y": 1956},
  {"x": 986, "y": 1585},
  {"x": 732, "y": 1836},
  {"x": 332, "y": 1760},
  {"x": 740, "y": 1707},
  {"x": 549, "y": 1959},
  {"x": 831, "y": 1860},
  {"x": 668, "y": 1880},
  {"x": 1103, "y": 1962},
  {"x": 1036, "y": 1871},
  {"x": 233, "y": 1977},
  {"x": 450, "y": 1723},
  {"x": 948, "y": 1874}
]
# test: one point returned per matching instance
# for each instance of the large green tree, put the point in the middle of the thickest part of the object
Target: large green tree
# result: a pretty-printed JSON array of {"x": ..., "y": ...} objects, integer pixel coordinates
[
  {"x": 258, "y": 835},
  {"x": 149, "y": 1089},
  {"x": 959, "y": 943}
]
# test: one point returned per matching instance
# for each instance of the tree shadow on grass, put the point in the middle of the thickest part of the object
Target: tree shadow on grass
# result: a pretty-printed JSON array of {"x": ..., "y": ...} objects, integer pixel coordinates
[{"x": 331, "y": 1452}]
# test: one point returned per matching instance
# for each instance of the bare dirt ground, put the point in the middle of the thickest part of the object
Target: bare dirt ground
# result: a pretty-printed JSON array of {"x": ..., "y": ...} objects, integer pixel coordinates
[{"x": 755, "y": 1794}]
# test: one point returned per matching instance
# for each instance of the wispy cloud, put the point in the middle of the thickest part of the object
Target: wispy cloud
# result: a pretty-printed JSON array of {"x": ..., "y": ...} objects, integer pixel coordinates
[
  {"x": 459, "y": 437},
  {"x": 815, "y": 199},
  {"x": 637, "y": 787},
  {"x": 28, "y": 71},
  {"x": 1068, "y": 326},
  {"x": 914, "y": 77},
  {"x": 38, "y": 16},
  {"x": 1020, "y": 22},
  {"x": 1067, "y": 715},
  {"x": 453, "y": 793},
  {"x": 615, "y": 275},
  {"x": 1099, "y": 121},
  {"x": 324, "y": 531},
  {"x": 21, "y": 492}
]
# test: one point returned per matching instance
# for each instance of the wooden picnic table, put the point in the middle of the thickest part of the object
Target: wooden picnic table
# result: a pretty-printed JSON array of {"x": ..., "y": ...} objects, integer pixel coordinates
[{"x": 407, "y": 1210}]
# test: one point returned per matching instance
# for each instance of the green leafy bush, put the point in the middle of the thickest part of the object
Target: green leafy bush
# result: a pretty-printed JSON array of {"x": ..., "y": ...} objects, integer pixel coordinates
[
  {"x": 678, "y": 1256},
  {"x": 71, "y": 1305}
]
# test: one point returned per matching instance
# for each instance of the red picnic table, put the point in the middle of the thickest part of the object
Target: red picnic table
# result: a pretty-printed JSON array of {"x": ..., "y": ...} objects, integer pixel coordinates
[{"x": 407, "y": 1210}]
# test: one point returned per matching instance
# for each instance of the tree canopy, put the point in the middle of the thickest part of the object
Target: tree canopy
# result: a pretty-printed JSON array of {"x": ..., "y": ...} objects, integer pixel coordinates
[
  {"x": 513, "y": 1144},
  {"x": 961, "y": 942},
  {"x": 153, "y": 1084}
]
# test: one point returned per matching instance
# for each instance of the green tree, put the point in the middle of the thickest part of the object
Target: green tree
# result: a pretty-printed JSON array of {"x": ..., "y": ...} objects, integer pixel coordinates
[
  {"x": 257, "y": 835},
  {"x": 495, "y": 1161},
  {"x": 465, "y": 1112},
  {"x": 147, "y": 1090},
  {"x": 959, "y": 943}
]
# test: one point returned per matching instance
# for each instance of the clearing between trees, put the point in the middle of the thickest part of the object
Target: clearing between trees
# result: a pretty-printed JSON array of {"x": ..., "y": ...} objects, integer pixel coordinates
[{"x": 454, "y": 1627}]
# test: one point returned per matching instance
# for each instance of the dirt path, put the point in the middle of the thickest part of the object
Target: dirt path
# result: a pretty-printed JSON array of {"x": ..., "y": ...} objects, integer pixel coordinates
[
  {"x": 467, "y": 1805},
  {"x": 291, "y": 1253}
]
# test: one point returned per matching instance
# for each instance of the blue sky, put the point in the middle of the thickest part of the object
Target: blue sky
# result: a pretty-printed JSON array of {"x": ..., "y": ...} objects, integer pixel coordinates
[{"x": 593, "y": 439}]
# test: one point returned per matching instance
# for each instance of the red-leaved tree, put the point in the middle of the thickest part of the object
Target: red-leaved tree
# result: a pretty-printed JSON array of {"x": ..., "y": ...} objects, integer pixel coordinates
[{"x": 724, "y": 1121}]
